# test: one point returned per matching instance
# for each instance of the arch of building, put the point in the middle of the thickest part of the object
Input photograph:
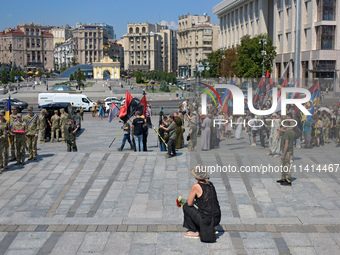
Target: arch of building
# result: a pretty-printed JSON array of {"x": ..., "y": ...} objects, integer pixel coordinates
[{"x": 106, "y": 64}]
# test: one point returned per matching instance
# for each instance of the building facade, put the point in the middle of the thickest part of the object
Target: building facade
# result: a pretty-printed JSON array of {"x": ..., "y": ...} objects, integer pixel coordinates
[
  {"x": 63, "y": 54},
  {"x": 28, "y": 47},
  {"x": 110, "y": 31},
  {"x": 149, "y": 47},
  {"x": 61, "y": 34},
  {"x": 197, "y": 37},
  {"x": 116, "y": 52},
  {"x": 88, "y": 43},
  {"x": 319, "y": 39}
]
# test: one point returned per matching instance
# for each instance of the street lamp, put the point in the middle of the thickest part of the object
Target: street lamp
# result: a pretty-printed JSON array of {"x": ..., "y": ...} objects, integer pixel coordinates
[{"x": 263, "y": 53}]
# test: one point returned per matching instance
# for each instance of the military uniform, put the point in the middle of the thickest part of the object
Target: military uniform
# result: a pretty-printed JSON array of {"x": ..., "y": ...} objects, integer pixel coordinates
[
  {"x": 12, "y": 120},
  {"x": 19, "y": 129},
  {"x": 32, "y": 130},
  {"x": 3, "y": 136},
  {"x": 63, "y": 122},
  {"x": 337, "y": 126},
  {"x": 42, "y": 126},
  {"x": 81, "y": 112},
  {"x": 326, "y": 122},
  {"x": 5, "y": 143},
  {"x": 55, "y": 126},
  {"x": 286, "y": 174},
  {"x": 70, "y": 138}
]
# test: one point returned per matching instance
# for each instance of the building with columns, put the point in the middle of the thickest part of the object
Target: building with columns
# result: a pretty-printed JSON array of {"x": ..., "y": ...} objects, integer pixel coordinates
[
  {"x": 64, "y": 54},
  {"x": 150, "y": 47},
  {"x": 320, "y": 44},
  {"x": 197, "y": 37},
  {"x": 61, "y": 34},
  {"x": 28, "y": 46}
]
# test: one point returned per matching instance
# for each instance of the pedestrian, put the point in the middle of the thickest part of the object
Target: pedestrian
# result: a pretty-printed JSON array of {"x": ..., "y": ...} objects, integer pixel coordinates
[
  {"x": 229, "y": 126},
  {"x": 126, "y": 129},
  {"x": 19, "y": 130},
  {"x": 4, "y": 123},
  {"x": 12, "y": 120},
  {"x": 318, "y": 128},
  {"x": 287, "y": 148},
  {"x": 63, "y": 122},
  {"x": 81, "y": 112},
  {"x": 202, "y": 220},
  {"x": 55, "y": 126},
  {"x": 93, "y": 110},
  {"x": 274, "y": 137},
  {"x": 163, "y": 135},
  {"x": 32, "y": 129},
  {"x": 3, "y": 135},
  {"x": 171, "y": 129},
  {"x": 205, "y": 146},
  {"x": 138, "y": 124},
  {"x": 42, "y": 125},
  {"x": 192, "y": 136},
  {"x": 238, "y": 128},
  {"x": 70, "y": 136},
  {"x": 101, "y": 112},
  {"x": 145, "y": 136},
  {"x": 326, "y": 127}
]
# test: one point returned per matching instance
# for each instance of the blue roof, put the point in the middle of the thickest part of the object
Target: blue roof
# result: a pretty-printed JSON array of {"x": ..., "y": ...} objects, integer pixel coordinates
[{"x": 71, "y": 70}]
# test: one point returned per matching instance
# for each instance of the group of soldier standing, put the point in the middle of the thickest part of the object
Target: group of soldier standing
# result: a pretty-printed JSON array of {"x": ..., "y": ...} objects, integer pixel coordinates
[{"x": 20, "y": 134}]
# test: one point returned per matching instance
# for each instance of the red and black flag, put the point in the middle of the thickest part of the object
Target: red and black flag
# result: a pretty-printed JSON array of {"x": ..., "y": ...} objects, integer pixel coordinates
[
  {"x": 146, "y": 111},
  {"x": 129, "y": 108}
]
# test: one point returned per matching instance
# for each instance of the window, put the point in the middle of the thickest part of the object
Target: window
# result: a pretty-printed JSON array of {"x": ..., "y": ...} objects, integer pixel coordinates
[
  {"x": 32, "y": 31},
  {"x": 251, "y": 11},
  {"x": 94, "y": 34},
  {"x": 84, "y": 100},
  {"x": 256, "y": 9},
  {"x": 325, "y": 37},
  {"x": 279, "y": 5},
  {"x": 246, "y": 13},
  {"x": 288, "y": 3},
  {"x": 207, "y": 31},
  {"x": 37, "y": 32},
  {"x": 85, "y": 34},
  {"x": 326, "y": 10}
]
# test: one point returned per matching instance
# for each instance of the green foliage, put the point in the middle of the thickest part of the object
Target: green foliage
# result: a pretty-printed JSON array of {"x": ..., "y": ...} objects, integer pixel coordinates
[
  {"x": 63, "y": 67},
  {"x": 71, "y": 77},
  {"x": 214, "y": 60},
  {"x": 249, "y": 63},
  {"x": 74, "y": 62},
  {"x": 228, "y": 63},
  {"x": 164, "y": 87},
  {"x": 79, "y": 76},
  {"x": 4, "y": 78},
  {"x": 138, "y": 77}
]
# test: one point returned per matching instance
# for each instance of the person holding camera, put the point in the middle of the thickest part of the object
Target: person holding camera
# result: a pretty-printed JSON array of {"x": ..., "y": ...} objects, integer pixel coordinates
[
  {"x": 70, "y": 136},
  {"x": 126, "y": 129},
  {"x": 171, "y": 129}
]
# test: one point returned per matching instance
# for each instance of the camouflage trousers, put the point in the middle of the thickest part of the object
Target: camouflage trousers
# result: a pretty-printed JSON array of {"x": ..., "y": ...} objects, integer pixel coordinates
[
  {"x": 13, "y": 149},
  {"x": 286, "y": 174},
  {"x": 192, "y": 145},
  {"x": 56, "y": 131},
  {"x": 32, "y": 145},
  {"x": 21, "y": 149}
]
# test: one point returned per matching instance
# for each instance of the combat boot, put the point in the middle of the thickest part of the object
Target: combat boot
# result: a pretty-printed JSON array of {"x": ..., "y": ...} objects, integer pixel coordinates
[
  {"x": 13, "y": 159},
  {"x": 30, "y": 157}
]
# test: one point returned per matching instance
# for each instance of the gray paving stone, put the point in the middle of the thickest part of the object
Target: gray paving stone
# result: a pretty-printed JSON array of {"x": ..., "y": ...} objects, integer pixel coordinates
[
  {"x": 64, "y": 246},
  {"x": 94, "y": 242}
]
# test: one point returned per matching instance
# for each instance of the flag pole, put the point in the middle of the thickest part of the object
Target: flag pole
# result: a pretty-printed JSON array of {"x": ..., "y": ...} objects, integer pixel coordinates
[
  {"x": 160, "y": 136},
  {"x": 115, "y": 137}
]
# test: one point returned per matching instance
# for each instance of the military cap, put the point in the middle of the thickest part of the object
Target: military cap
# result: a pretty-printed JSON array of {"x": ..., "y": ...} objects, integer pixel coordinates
[
  {"x": 42, "y": 111},
  {"x": 55, "y": 111},
  {"x": 30, "y": 107},
  {"x": 2, "y": 113},
  {"x": 14, "y": 107},
  {"x": 19, "y": 115}
]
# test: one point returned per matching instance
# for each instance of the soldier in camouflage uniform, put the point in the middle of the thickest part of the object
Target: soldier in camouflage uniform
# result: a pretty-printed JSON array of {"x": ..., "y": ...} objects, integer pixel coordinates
[
  {"x": 42, "y": 125},
  {"x": 19, "y": 129},
  {"x": 55, "y": 126},
  {"x": 3, "y": 136},
  {"x": 4, "y": 123},
  {"x": 70, "y": 136},
  {"x": 12, "y": 120},
  {"x": 326, "y": 125},
  {"x": 32, "y": 130},
  {"x": 63, "y": 122}
]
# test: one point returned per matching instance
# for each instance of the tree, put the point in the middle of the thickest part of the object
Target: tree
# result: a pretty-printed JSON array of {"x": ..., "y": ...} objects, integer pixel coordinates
[
  {"x": 74, "y": 62},
  {"x": 249, "y": 63},
  {"x": 71, "y": 77},
  {"x": 138, "y": 77},
  {"x": 63, "y": 67},
  {"x": 227, "y": 66},
  {"x": 214, "y": 60},
  {"x": 79, "y": 76}
]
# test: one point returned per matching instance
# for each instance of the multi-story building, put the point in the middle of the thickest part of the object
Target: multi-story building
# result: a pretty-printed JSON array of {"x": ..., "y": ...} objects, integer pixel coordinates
[
  {"x": 197, "y": 37},
  {"x": 149, "y": 47},
  {"x": 110, "y": 31},
  {"x": 64, "y": 54},
  {"x": 27, "y": 46},
  {"x": 320, "y": 45},
  {"x": 88, "y": 43},
  {"x": 61, "y": 34},
  {"x": 116, "y": 52}
]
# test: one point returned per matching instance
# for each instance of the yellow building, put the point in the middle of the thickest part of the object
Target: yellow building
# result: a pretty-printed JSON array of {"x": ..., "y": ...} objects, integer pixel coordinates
[{"x": 106, "y": 65}]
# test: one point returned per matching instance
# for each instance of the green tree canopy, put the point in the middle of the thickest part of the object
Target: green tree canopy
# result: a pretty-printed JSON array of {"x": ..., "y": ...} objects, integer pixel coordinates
[
  {"x": 249, "y": 63},
  {"x": 230, "y": 59}
]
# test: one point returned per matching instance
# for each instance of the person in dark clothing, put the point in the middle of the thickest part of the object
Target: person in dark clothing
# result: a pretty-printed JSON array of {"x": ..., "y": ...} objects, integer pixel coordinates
[
  {"x": 70, "y": 136},
  {"x": 202, "y": 194},
  {"x": 137, "y": 125},
  {"x": 171, "y": 129},
  {"x": 145, "y": 137}
]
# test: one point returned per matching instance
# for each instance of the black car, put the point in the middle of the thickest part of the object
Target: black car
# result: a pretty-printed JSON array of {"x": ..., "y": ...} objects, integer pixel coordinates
[
  {"x": 21, "y": 105},
  {"x": 69, "y": 109}
]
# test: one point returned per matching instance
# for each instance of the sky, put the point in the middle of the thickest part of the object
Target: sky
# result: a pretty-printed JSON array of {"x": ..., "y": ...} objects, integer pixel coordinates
[{"x": 116, "y": 13}]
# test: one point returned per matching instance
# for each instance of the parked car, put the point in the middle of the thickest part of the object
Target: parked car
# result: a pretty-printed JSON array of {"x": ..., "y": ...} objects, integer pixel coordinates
[
  {"x": 21, "y": 105},
  {"x": 69, "y": 109}
]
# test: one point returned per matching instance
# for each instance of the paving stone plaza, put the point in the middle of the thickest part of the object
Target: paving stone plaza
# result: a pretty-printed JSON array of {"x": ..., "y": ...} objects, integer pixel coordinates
[{"x": 102, "y": 201}]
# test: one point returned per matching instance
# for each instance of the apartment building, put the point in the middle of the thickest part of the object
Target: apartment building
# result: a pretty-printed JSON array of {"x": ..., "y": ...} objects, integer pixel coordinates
[
  {"x": 63, "y": 53},
  {"x": 28, "y": 46},
  {"x": 320, "y": 45},
  {"x": 110, "y": 31},
  {"x": 88, "y": 43},
  {"x": 116, "y": 51},
  {"x": 61, "y": 34},
  {"x": 197, "y": 37},
  {"x": 150, "y": 47}
]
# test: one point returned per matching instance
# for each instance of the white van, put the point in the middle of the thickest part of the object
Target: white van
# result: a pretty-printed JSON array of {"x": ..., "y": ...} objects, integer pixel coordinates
[{"x": 75, "y": 99}]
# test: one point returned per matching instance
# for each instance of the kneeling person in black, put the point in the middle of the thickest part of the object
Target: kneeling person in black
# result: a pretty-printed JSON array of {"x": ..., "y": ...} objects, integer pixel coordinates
[{"x": 70, "y": 136}]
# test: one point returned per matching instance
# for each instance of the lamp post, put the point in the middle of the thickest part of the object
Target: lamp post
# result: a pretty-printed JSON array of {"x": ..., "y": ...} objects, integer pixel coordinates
[{"x": 263, "y": 53}]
